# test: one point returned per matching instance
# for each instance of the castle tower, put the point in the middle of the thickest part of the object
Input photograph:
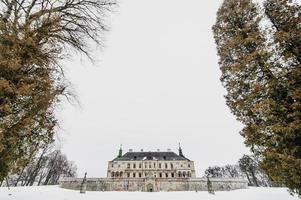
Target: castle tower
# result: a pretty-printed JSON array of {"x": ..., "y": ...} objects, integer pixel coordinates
[
  {"x": 180, "y": 151},
  {"x": 120, "y": 151}
]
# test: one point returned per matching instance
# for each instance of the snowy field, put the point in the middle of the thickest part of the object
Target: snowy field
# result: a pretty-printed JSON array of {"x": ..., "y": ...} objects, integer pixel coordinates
[{"x": 56, "y": 193}]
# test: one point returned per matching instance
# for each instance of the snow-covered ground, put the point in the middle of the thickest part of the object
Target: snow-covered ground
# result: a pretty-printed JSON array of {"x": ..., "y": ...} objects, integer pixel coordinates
[{"x": 56, "y": 193}]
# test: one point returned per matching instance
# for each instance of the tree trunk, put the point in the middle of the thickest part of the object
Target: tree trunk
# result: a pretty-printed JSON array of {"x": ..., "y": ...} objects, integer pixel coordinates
[
  {"x": 248, "y": 178},
  {"x": 7, "y": 183},
  {"x": 40, "y": 179},
  {"x": 37, "y": 168},
  {"x": 50, "y": 172},
  {"x": 19, "y": 177},
  {"x": 30, "y": 159},
  {"x": 254, "y": 178}
]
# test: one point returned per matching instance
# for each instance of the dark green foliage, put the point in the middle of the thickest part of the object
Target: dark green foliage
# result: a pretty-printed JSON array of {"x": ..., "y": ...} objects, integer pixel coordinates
[{"x": 261, "y": 70}]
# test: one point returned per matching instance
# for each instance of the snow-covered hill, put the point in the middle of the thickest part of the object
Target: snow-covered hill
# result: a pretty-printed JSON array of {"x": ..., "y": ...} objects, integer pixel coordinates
[{"x": 56, "y": 193}]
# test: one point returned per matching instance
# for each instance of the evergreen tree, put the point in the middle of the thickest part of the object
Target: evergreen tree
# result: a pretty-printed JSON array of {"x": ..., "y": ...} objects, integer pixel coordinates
[
  {"x": 261, "y": 70},
  {"x": 34, "y": 36}
]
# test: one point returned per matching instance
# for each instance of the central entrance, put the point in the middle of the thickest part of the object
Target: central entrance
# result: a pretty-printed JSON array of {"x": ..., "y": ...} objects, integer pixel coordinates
[{"x": 150, "y": 187}]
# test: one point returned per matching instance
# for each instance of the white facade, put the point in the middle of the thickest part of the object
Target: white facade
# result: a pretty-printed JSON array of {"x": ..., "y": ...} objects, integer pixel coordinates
[{"x": 151, "y": 168}]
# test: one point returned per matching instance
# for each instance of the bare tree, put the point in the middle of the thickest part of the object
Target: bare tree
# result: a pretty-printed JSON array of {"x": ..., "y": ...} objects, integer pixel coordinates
[{"x": 45, "y": 169}]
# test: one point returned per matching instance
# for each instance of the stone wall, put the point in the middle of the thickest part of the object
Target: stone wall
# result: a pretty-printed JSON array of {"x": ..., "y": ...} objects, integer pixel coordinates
[{"x": 153, "y": 184}]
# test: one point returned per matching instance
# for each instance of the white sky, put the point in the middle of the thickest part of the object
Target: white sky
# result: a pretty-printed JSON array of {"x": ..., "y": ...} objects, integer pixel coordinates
[{"x": 156, "y": 84}]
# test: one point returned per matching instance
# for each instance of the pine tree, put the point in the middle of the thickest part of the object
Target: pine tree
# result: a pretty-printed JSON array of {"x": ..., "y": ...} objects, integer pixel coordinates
[{"x": 261, "y": 71}]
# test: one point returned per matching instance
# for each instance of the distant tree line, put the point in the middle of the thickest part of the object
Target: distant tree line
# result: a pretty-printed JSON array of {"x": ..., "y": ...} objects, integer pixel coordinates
[
  {"x": 45, "y": 168},
  {"x": 248, "y": 167}
]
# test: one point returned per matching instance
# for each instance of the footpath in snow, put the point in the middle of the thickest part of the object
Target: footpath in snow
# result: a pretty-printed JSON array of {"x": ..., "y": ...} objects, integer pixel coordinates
[{"x": 56, "y": 193}]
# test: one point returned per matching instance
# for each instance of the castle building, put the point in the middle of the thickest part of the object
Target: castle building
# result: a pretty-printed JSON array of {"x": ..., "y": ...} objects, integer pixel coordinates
[
  {"x": 159, "y": 164},
  {"x": 151, "y": 172}
]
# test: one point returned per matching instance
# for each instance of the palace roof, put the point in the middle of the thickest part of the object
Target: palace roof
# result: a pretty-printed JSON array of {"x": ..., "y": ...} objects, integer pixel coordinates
[{"x": 131, "y": 156}]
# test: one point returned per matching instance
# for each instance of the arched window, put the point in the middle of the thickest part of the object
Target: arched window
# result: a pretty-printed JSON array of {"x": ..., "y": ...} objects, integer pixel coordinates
[
  {"x": 184, "y": 174},
  {"x": 179, "y": 174},
  {"x": 116, "y": 174},
  {"x": 112, "y": 174},
  {"x": 120, "y": 174}
]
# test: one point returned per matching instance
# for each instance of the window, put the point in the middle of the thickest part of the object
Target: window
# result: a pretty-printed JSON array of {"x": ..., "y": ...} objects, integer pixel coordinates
[
  {"x": 135, "y": 157},
  {"x": 134, "y": 174},
  {"x": 116, "y": 174},
  {"x": 160, "y": 175},
  {"x": 129, "y": 165},
  {"x": 154, "y": 165},
  {"x": 112, "y": 174},
  {"x": 159, "y": 165},
  {"x": 188, "y": 165},
  {"x": 164, "y": 157},
  {"x": 150, "y": 165},
  {"x": 140, "y": 165},
  {"x": 165, "y": 165},
  {"x": 120, "y": 174},
  {"x": 166, "y": 175},
  {"x": 134, "y": 165},
  {"x": 118, "y": 166},
  {"x": 171, "y": 165},
  {"x": 172, "y": 175},
  {"x": 179, "y": 174},
  {"x": 140, "y": 175},
  {"x": 112, "y": 165},
  {"x": 145, "y": 174},
  {"x": 145, "y": 165},
  {"x": 128, "y": 175}
]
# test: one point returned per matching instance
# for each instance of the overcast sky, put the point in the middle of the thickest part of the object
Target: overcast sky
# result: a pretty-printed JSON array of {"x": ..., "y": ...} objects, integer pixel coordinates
[{"x": 155, "y": 84}]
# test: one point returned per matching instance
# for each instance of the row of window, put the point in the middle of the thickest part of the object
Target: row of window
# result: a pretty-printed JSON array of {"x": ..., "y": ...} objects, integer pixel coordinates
[
  {"x": 150, "y": 165},
  {"x": 160, "y": 174}
]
